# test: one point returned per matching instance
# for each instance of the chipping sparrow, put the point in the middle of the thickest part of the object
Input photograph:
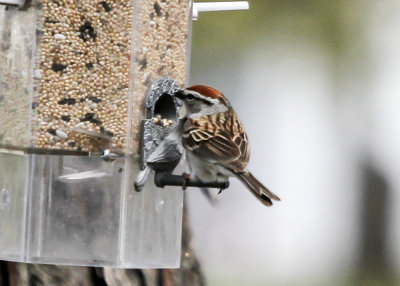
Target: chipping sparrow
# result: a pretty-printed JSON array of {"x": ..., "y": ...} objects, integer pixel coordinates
[{"x": 216, "y": 143}]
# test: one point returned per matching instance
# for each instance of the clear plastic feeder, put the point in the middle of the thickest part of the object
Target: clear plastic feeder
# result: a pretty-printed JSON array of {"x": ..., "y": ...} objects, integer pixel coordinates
[{"x": 73, "y": 77}]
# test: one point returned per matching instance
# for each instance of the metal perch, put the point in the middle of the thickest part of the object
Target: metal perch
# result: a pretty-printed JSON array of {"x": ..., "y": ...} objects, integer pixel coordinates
[{"x": 165, "y": 179}]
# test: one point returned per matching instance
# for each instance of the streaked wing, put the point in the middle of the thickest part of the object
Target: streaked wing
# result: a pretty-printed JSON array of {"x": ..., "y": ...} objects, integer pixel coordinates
[
  {"x": 211, "y": 138},
  {"x": 194, "y": 136},
  {"x": 243, "y": 144},
  {"x": 218, "y": 146}
]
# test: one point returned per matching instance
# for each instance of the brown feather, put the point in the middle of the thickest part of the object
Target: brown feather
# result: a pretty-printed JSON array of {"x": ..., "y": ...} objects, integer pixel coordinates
[
  {"x": 257, "y": 188},
  {"x": 231, "y": 150},
  {"x": 209, "y": 91}
]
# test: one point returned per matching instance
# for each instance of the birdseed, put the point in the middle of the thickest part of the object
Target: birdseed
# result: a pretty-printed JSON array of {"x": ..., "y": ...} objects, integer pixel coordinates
[{"x": 87, "y": 80}]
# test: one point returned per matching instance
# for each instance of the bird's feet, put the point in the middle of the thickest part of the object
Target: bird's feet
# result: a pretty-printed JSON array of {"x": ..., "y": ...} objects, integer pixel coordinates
[{"x": 186, "y": 178}]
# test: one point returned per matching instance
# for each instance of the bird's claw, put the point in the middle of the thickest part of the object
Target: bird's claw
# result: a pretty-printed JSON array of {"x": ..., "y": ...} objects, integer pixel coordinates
[{"x": 186, "y": 178}]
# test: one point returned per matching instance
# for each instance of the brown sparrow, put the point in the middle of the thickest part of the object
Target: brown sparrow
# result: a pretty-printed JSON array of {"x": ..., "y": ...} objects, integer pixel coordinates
[{"x": 215, "y": 141}]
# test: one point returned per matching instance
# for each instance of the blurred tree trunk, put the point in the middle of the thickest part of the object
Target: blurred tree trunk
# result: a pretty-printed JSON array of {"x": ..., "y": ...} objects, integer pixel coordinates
[
  {"x": 374, "y": 266},
  {"x": 22, "y": 274}
]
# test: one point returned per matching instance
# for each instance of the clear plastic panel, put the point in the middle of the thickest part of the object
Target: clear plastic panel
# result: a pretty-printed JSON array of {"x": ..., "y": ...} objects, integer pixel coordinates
[
  {"x": 12, "y": 206},
  {"x": 80, "y": 214},
  {"x": 67, "y": 219},
  {"x": 150, "y": 238}
]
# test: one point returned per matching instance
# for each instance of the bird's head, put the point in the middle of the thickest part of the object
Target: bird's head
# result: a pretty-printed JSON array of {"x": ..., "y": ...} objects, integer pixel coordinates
[{"x": 201, "y": 100}]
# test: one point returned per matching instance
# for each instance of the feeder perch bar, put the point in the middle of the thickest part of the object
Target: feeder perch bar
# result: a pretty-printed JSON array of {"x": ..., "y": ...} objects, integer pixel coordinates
[{"x": 162, "y": 180}]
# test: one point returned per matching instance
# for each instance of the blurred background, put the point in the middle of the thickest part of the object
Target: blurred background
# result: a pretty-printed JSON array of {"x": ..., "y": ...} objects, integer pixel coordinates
[{"x": 317, "y": 86}]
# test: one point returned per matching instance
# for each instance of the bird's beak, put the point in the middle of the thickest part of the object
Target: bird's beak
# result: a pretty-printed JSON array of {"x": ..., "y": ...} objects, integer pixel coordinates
[
  {"x": 180, "y": 94},
  {"x": 182, "y": 110}
]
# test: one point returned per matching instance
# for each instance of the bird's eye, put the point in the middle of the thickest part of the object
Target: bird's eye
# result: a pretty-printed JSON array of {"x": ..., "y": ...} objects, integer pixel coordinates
[{"x": 190, "y": 97}]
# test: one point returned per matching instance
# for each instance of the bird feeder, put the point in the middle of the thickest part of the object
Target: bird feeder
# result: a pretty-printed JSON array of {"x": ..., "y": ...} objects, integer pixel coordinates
[{"x": 75, "y": 78}]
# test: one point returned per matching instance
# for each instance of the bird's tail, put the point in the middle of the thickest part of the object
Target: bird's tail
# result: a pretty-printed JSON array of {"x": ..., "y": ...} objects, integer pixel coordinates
[
  {"x": 257, "y": 188},
  {"x": 141, "y": 179}
]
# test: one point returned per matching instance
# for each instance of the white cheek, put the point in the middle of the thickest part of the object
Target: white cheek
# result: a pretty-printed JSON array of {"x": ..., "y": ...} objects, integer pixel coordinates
[
  {"x": 182, "y": 111},
  {"x": 208, "y": 110}
]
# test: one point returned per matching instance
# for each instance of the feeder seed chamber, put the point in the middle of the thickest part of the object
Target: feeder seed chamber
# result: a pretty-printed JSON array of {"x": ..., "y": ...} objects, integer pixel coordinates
[{"x": 80, "y": 81}]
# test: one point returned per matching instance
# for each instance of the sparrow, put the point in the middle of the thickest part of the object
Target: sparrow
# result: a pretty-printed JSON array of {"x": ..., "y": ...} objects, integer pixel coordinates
[{"x": 215, "y": 141}]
